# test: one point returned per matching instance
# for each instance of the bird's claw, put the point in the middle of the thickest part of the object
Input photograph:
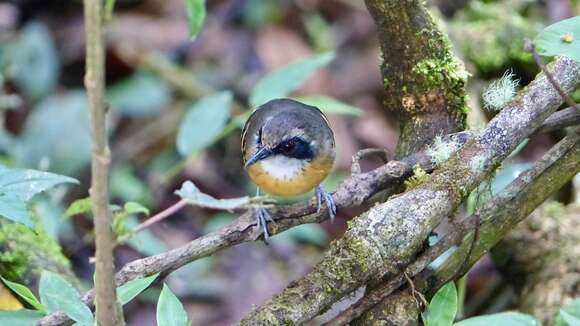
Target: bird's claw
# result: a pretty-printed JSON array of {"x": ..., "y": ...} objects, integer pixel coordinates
[
  {"x": 322, "y": 195},
  {"x": 262, "y": 219}
]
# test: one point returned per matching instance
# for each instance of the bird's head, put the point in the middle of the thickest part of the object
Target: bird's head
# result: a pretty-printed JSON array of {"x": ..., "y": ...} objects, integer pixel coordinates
[{"x": 287, "y": 144}]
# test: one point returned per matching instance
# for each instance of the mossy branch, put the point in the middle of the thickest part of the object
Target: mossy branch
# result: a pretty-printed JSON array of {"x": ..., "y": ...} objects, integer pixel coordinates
[
  {"x": 423, "y": 81},
  {"x": 386, "y": 238},
  {"x": 353, "y": 192},
  {"x": 496, "y": 218}
]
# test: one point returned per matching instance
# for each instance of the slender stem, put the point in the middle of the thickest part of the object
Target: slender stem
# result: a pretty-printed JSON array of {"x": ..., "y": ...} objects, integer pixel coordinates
[
  {"x": 530, "y": 47},
  {"x": 107, "y": 311},
  {"x": 155, "y": 219}
]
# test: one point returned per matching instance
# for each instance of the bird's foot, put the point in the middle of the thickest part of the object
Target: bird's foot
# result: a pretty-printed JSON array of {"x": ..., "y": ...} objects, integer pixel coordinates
[
  {"x": 262, "y": 219},
  {"x": 322, "y": 195}
]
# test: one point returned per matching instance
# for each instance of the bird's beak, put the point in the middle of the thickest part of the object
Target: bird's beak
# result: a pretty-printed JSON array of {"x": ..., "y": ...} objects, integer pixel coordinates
[{"x": 261, "y": 154}]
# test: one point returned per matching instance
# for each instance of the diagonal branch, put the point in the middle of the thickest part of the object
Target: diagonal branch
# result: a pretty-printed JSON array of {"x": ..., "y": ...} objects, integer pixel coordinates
[
  {"x": 497, "y": 217},
  {"x": 354, "y": 191},
  {"x": 386, "y": 238}
]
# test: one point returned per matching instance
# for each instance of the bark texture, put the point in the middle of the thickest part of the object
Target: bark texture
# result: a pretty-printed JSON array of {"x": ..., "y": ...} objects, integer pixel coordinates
[
  {"x": 540, "y": 258},
  {"x": 386, "y": 238},
  {"x": 424, "y": 83},
  {"x": 424, "y": 86}
]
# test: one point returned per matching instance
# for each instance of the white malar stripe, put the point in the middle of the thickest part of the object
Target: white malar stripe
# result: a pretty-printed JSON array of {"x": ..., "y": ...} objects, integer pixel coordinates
[{"x": 282, "y": 167}]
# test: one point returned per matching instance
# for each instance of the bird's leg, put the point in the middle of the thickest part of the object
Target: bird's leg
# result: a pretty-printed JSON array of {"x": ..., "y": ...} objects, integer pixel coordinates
[
  {"x": 322, "y": 195},
  {"x": 262, "y": 218}
]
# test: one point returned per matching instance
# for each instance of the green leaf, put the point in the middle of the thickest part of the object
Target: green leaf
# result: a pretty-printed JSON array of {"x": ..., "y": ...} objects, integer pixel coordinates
[
  {"x": 330, "y": 105},
  {"x": 56, "y": 135},
  {"x": 170, "y": 311},
  {"x": 34, "y": 60},
  {"x": 282, "y": 82},
  {"x": 196, "y": 14},
  {"x": 109, "y": 7},
  {"x": 194, "y": 196},
  {"x": 569, "y": 319},
  {"x": 23, "y": 317},
  {"x": 17, "y": 186},
  {"x": 25, "y": 294},
  {"x": 443, "y": 306},
  {"x": 79, "y": 206},
  {"x": 142, "y": 94},
  {"x": 561, "y": 38},
  {"x": 500, "y": 319},
  {"x": 131, "y": 289},
  {"x": 135, "y": 208},
  {"x": 58, "y": 294},
  {"x": 203, "y": 122},
  {"x": 569, "y": 314}
]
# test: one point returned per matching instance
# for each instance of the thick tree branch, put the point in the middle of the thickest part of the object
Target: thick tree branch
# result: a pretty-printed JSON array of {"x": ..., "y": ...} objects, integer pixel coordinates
[
  {"x": 354, "y": 191},
  {"x": 107, "y": 311},
  {"x": 386, "y": 238},
  {"x": 509, "y": 207}
]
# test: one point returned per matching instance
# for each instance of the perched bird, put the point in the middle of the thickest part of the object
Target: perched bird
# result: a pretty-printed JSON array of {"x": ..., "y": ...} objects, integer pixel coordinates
[{"x": 288, "y": 149}]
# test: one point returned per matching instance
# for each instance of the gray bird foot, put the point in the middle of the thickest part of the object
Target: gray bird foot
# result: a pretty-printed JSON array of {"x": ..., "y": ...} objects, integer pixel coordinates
[
  {"x": 262, "y": 219},
  {"x": 322, "y": 195}
]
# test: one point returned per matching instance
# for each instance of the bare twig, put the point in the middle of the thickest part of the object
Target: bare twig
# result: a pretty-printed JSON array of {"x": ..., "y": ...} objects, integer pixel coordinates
[
  {"x": 154, "y": 219},
  {"x": 350, "y": 193},
  {"x": 364, "y": 153},
  {"x": 107, "y": 308},
  {"x": 530, "y": 47}
]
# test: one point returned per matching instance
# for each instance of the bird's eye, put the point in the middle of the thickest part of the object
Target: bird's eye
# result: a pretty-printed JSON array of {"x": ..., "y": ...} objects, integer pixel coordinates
[{"x": 288, "y": 146}]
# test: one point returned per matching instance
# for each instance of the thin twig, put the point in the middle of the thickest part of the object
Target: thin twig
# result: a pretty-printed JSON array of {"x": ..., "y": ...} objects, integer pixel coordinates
[
  {"x": 154, "y": 219},
  {"x": 531, "y": 47},
  {"x": 107, "y": 308}
]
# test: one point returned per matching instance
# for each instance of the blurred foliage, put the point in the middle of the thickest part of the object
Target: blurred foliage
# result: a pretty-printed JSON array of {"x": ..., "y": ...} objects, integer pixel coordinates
[
  {"x": 31, "y": 60},
  {"x": 142, "y": 94},
  {"x": 203, "y": 123},
  {"x": 235, "y": 56},
  {"x": 491, "y": 35}
]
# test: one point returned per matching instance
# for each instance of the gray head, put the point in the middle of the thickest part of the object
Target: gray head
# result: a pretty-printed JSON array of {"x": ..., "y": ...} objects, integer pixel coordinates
[{"x": 288, "y": 128}]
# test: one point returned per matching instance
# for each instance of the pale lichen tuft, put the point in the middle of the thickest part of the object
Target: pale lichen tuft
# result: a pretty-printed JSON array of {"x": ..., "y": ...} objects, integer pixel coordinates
[
  {"x": 500, "y": 92},
  {"x": 440, "y": 151}
]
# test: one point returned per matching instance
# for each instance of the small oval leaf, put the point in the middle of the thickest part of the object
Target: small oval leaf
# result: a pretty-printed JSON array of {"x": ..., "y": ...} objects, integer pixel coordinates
[
  {"x": 330, "y": 105},
  {"x": 196, "y": 14},
  {"x": 443, "y": 306},
  {"x": 131, "y": 289},
  {"x": 25, "y": 294},
  {"x": 287, "y": 79},
  {"x": 58, "y": 294},
  {"x": 203, "y": 123},
  {"x": 561, "y": 38},
  {"x": 170, "y": 311}
]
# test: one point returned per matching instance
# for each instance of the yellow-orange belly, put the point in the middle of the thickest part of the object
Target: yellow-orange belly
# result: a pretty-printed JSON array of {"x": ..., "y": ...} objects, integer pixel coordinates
[{"x": 311, "y": 176}]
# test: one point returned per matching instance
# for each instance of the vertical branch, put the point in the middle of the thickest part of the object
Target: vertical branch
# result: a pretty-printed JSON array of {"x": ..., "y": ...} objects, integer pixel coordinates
[
  {"x": 424, "y": 82},
  {"x": 106, "y": 300}
]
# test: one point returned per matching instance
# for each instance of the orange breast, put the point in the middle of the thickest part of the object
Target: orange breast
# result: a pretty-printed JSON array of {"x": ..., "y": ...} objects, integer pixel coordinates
[{"x": 311, "y": 176}]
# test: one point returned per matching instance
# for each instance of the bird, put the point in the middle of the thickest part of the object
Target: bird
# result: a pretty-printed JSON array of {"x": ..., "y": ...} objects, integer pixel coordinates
[{"x": 288, "y": 149}]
